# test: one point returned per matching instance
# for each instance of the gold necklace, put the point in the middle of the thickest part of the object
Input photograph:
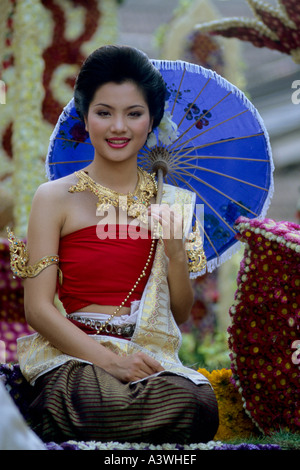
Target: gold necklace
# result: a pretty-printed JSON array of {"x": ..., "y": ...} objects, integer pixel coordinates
[{"x": 135, "y": 203}]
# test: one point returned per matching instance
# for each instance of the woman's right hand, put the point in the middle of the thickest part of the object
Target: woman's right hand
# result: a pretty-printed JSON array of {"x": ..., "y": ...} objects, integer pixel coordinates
[{"x": 135, "y": 367}]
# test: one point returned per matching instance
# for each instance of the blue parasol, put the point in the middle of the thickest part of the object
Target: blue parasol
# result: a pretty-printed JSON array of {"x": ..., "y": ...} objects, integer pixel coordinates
[{"x": 212, "y": 141}]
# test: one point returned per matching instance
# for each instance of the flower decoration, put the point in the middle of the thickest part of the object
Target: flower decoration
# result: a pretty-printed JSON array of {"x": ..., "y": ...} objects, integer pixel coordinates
[
  {"x": 12, "y": 318},
  {"x": 275, "y": 27},
  {"x": 8, "y": 10},
  {"x": 205, "y": 50},
  {"x": 167, "y": 131},
  {"x": 28, "y": 96},
  {"x": 7, "y": 75},
  {"x": 265, "y": 324},
  {"x": 233, "y": 421},
  {"x": 64, "y": 50}
]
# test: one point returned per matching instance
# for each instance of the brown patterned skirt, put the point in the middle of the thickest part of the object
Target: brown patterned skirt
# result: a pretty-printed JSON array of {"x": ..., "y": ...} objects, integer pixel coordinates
[{"x": 83, "y": 402}]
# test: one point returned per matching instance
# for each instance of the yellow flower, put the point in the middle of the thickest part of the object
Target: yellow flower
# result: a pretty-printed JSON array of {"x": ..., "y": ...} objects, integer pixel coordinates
[{"x": 234, "y": 422}]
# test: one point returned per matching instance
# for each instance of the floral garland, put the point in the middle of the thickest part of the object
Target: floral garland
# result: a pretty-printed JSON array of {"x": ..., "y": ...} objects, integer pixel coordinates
[
  {"x": 264, "y": 334},
  {"x": 28, "y": 93}
]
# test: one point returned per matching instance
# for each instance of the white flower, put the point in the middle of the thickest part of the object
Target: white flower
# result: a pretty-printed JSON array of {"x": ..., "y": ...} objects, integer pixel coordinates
[
  {"x": 167, "y": 130},
  {"x": 151, "y": 141}
]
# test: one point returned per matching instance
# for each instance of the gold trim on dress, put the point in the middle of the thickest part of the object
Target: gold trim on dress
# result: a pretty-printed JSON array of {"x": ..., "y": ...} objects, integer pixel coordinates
[
  {"x": 196, "y": 255},
  {"x": 19, "y": 259}
]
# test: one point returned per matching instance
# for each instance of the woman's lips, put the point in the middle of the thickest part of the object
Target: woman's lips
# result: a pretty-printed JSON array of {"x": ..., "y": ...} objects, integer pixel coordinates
[{"x": 118, "y": 142}]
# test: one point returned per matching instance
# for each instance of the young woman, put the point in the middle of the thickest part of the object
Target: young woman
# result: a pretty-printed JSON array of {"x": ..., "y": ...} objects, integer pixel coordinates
[{"x": 109, "y": 369}]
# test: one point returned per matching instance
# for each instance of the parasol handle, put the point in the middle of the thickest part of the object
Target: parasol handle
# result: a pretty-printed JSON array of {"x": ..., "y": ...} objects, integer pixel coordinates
[{"x": 160, "y": 176}]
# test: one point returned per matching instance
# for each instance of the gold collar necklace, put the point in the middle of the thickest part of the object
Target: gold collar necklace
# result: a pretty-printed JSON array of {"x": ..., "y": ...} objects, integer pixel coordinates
[{"x": 135, "y": 203}]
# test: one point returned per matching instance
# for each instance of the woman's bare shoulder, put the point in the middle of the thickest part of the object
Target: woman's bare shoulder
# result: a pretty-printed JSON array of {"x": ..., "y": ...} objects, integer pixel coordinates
[{"x": 55, "y": 189}]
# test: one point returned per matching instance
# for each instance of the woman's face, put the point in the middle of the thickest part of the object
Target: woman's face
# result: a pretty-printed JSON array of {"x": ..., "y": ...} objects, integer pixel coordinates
[{"x": 118, "y": 121}]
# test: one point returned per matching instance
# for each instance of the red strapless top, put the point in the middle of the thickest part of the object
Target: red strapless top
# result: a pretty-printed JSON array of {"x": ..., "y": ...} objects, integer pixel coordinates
[{"x": 102, "y": 271}]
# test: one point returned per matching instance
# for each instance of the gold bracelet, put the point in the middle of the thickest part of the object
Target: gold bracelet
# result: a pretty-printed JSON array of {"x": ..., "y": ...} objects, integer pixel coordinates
[
  {"x": 194, "y": 247},
  {"x": 19, "y": 259}
]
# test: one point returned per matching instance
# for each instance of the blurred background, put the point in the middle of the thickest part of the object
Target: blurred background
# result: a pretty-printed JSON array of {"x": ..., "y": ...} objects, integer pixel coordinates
[{"x": 42, "y": 45}]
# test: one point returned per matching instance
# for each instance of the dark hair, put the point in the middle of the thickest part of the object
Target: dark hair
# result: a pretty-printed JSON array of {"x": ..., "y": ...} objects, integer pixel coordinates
[{"x": 119, "y": 64}]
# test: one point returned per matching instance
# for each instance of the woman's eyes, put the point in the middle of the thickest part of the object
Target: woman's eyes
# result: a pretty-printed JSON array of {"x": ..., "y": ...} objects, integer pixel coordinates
[
  {"x": 134, "y": 114},
  {"x": 103, "y": 113}
]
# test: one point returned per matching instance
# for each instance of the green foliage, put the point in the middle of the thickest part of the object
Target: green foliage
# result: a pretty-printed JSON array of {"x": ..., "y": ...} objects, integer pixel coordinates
[{"x": 210, "y": 353}]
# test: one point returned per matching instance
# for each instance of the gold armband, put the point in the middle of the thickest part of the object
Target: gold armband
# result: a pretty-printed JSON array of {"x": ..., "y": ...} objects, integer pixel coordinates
[
  {"x": 194, "y": 247},
  {"x": 19, "y": 259}
]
